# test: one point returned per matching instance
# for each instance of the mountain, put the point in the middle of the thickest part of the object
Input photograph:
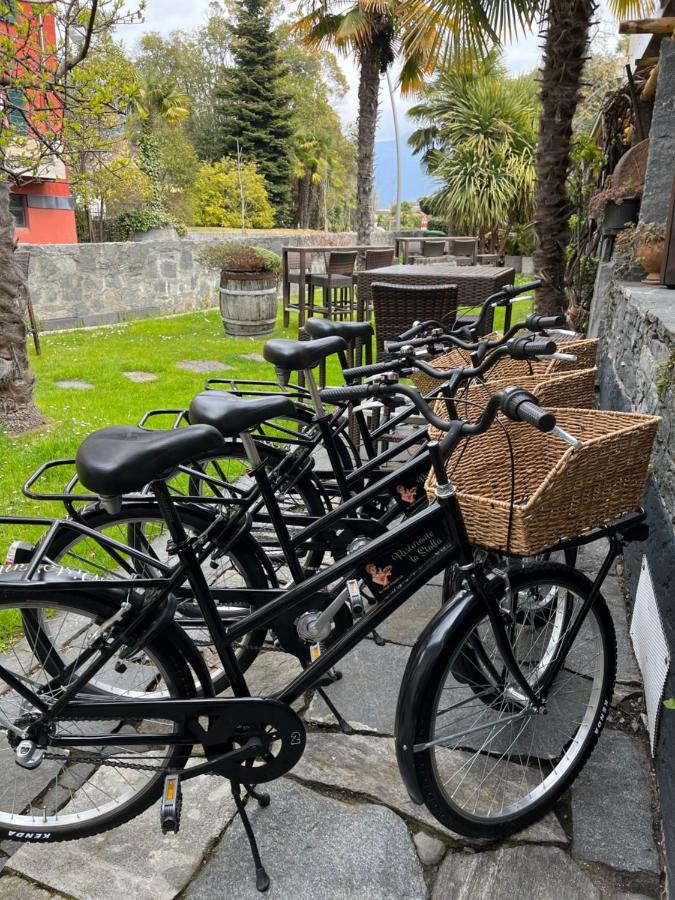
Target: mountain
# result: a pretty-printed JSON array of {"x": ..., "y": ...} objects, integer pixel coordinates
[{"x": 416, "y": 183}]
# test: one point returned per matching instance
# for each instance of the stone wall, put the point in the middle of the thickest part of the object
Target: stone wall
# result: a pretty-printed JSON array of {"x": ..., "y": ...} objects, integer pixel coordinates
[
  {"x": 636, "y": 326},
  {"x": 91, "y": 284},
  {"x": 659, "y": 177}
]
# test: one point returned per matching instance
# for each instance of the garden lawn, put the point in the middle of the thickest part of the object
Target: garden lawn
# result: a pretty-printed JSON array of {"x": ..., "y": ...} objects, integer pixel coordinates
[{"x": 100, "y": 357}]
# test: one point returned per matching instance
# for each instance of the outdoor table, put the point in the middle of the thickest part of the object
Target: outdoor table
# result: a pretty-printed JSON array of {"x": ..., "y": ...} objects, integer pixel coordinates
[
  {"x": 403, "y": 244},
  {"x": 474, "y": 283},
  {"x": 306, "y": 254}
]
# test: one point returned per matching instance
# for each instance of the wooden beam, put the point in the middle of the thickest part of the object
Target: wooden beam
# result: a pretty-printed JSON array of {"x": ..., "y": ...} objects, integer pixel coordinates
[{"x": 664, "y": 25}]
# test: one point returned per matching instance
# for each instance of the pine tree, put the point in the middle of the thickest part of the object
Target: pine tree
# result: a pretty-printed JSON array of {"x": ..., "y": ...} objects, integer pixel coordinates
[{"x": 254, "y": 107}]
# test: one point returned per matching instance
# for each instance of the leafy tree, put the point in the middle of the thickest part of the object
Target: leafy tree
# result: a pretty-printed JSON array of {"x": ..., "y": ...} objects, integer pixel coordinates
[
  {"x": 478, "y": 137},
  {"x": 376, "y": 31},
  {"x": 323, "y": 155},
  {"x": 217, "y": 196},
  {"x": 254, "y": 105},
  {"x": 51, "y": 108},
  {"x": 566, "y": 40},
  {"x": 195, "y": 60}
]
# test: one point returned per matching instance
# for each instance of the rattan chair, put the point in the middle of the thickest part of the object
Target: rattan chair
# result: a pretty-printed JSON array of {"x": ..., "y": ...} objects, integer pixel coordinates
[
  {"x": 488, "y": 259},
  {"x": 464, "y": 247},
  {"x": 338, "y": 278},
  {"x": 376, "y": 259},
  {"x": 434, "y": 247},
  {"x": 397, "y": 306}
]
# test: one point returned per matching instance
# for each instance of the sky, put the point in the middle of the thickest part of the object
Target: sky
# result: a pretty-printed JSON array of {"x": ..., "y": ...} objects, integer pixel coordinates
[{"x": 167, "y": 15}]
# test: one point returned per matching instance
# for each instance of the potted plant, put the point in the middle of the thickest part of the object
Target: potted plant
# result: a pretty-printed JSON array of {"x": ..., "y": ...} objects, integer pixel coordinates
[
  {"x": 642, "y": 244},
  {"x": 616, "y": 206},
  {"x": 249, "y": 286}
]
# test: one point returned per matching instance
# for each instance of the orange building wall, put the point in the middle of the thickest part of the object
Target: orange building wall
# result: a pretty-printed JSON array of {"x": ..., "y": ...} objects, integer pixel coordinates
[{"x": 47, "y": 226}]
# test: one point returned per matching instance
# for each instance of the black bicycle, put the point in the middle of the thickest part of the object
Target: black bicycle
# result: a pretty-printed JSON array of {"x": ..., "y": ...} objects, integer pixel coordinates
[{"x": 498, "y": 709}]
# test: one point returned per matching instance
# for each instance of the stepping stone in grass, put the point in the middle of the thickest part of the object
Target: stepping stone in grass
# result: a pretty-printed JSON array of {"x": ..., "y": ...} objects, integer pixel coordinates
[
  {"x": 253, "y": 357},
  {"x": 140, "y": 377},
  {"x": 75, "y": 385},
  {"x": 203, "y": 365}
]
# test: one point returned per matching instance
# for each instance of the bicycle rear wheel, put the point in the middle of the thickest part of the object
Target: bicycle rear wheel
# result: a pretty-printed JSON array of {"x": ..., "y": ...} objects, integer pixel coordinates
[
  {"x": 75, "y": 792},
  {"x": 488, "y": 763}
]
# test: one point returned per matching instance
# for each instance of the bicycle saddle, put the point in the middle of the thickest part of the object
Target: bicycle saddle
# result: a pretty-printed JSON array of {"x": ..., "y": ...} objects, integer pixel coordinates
[
  {"x": 349, "y": 331},
  {"x": 232, "y": 415},
  {"x": 293, "y": 356},
  {"x": 123, "y": 459}
]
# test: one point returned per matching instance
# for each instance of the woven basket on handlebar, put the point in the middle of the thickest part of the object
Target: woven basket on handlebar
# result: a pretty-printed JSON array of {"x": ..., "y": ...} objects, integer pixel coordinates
[
  {"x": 572, "y": 390},
  {"x": 560, "y": 492},
  {"x": 512, "y": 371}
]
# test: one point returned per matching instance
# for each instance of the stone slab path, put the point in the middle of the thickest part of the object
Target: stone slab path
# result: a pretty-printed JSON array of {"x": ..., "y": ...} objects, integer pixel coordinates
[{"x": 341, "y": 824}]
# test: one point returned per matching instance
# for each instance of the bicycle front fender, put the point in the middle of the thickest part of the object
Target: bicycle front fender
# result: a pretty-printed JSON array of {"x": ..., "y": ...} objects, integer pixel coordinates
[{"x": 429, "y": 650}]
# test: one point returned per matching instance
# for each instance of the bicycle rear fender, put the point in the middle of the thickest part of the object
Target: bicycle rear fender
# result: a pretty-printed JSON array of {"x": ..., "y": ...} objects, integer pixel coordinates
[{"x": 429, "y": 650}]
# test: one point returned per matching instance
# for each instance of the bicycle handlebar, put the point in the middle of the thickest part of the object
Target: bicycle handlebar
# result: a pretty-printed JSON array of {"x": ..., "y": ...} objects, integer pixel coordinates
[{"x": 517, "y": 404}]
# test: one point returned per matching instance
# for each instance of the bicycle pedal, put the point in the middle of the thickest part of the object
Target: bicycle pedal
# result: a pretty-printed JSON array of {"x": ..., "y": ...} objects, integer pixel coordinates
[{"x": 171, "y": 805}]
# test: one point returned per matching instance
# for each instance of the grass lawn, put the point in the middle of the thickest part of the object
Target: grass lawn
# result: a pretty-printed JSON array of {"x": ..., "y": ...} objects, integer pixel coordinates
[{"x": 100, "y": 357}]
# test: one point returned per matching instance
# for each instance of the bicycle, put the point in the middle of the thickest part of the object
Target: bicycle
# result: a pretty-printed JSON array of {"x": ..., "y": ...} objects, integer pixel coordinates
[{"x": 477, "y": 649}]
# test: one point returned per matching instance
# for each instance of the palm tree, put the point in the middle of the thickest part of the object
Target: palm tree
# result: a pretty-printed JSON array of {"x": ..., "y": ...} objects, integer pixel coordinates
[
  {"x": 376, "y": 31},
  {"x": 478, "y": 137},
  {"x": 567, "y": 24}
]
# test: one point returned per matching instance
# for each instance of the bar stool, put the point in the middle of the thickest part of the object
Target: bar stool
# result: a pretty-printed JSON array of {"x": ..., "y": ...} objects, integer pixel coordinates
[
  {"x": 337, "y": 278},
  {"x": 376, "y": 259}
]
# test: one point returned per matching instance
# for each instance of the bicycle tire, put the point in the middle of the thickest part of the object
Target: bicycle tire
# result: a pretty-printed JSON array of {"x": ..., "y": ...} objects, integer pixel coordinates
[
  {"x": 32, "y": 823},
  {"x": 434, "y": 786}
]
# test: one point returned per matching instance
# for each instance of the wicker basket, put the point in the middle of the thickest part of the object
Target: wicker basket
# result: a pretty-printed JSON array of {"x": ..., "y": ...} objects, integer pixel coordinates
[
  {"x": 513, "y": 371},
  {"x": 559, "y": 492},
  {"x": 571, "y": 390}
]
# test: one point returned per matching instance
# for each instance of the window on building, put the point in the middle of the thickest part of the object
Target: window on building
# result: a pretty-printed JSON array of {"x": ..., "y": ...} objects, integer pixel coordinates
[
  {"x": 17, "y": 207},
  {"x": 16, "y": 101}
]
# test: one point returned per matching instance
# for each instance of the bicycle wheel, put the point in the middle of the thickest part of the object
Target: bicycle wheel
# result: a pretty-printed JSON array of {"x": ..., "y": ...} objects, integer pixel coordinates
[
  {"x": 79, "y": 791},
  {"x": 488, "y": 764},
  {"x": 140, "y": 525}
]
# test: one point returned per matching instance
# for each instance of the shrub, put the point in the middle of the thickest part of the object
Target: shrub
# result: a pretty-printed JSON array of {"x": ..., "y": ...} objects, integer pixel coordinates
[
  {"x": 235, "y": 256},
  {"x": 216, "y": 196}
]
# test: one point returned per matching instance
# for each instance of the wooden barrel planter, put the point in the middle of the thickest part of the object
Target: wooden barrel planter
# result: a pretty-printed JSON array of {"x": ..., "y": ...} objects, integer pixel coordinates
[{"x": 248, "y": 303}]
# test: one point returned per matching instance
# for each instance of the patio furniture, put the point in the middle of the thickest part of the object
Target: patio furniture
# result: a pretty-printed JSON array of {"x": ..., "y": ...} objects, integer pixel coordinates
[
  {"x": 22, "y": 259},
  {"x": 488, "y": 259},
  {"x": 474, "y": 283},
  {"x": 397, "y": 306},
  {"x": 464, "y": 246},
  {"x": 408, "y": 247},
  {"x": 434, "y": 247},
  {"x": 437, "y": 260},
  {"x": 338, "y": 278},
  {"x": 296, "y": 268}
]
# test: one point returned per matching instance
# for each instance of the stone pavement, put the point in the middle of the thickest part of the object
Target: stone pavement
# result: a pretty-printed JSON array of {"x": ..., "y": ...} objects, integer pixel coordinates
[{"x": 342, "y": 826}]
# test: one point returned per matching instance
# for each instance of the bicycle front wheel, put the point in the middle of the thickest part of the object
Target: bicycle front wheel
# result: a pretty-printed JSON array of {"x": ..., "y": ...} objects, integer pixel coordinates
[
  {"x": 78, "y": 791},
  {"x": 488, "y": 763}
]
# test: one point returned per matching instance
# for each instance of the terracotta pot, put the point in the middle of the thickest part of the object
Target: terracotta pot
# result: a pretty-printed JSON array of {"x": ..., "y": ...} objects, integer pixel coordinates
[{"x": 650, "y": 257}]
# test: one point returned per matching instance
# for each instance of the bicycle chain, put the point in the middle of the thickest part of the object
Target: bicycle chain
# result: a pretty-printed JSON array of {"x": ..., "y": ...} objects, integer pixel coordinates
[{"x": 115, "y": 765}]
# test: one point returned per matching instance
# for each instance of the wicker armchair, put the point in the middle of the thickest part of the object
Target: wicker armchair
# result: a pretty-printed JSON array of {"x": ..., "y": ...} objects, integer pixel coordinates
[
  {"x": 464, "y": 247},
  {"x": 397, "y": 306},
  {"x": 338, "y": 279}
]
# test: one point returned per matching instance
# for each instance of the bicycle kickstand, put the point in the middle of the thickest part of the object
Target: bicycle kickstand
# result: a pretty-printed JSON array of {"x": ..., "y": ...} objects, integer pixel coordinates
[{"x": 262, "y": 881}]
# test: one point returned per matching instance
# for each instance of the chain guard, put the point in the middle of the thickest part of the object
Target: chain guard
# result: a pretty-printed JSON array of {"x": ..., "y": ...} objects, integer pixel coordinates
[{"x": 275, "y": 724}]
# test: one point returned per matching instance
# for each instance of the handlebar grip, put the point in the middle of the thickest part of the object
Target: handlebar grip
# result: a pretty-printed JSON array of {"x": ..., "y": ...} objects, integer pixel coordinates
[
  {"x": 514, "y": 290},
  {"x": 541, "y": 323},
  {"x": 521, "y": 406},
  {"x": 348, "y": 393},
  {"x": 527, "y": 348},
  {"x": 394, "y": 365}
]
